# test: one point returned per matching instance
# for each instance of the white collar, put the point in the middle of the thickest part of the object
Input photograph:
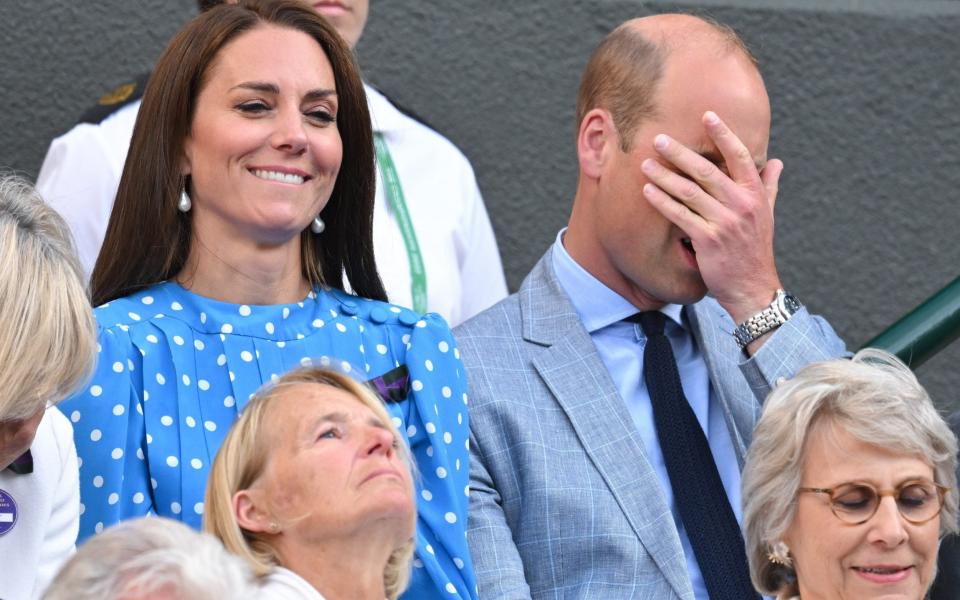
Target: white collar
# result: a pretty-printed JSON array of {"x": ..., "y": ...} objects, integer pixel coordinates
[{"x": 384, "y": 116}]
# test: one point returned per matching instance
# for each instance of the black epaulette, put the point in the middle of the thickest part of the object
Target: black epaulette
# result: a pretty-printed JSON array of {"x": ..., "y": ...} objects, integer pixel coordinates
[
  {"x": 413, "y": 115},
  {"x": 115, "y": 99}
]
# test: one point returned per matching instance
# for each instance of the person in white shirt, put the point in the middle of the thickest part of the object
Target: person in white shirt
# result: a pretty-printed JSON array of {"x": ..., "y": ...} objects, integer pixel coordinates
[
  {"x": 446, "y": 261},
  {"x": 47, "y": 350},
  {"x": 313, "y": 486},
  {"x": 153, "y": 558}
]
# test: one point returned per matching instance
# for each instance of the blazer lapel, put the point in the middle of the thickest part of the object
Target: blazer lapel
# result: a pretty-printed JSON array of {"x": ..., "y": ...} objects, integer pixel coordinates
[
  {"x": 571, "y": 368},
  {"x": 713, "y": 330}
]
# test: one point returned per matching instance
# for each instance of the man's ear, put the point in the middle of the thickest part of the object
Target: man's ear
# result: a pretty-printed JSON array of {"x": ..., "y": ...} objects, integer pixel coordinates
[
  {"x": 250, "y": 514},
  {"x": 596, "y": 138}
]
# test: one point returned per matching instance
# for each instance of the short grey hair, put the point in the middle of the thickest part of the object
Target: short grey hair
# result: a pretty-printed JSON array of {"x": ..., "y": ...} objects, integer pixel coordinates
[
  {"x": 876, "y": 399},
  {"x": 148, "y": 556},
  {"x": 48, "y": 341}
]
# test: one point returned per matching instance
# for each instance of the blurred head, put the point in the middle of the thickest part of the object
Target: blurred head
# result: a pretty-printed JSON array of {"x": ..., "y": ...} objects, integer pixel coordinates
[
  {"x": 153, "y": 558},
  {"x": 841, "y": 440},
  {"x": 348, "y": 16},
  {"x": 262, "y": 142},
  {"x": 47, "y": 347},
  {"x": 312, "y": 460},
  {"x": 654, "y": 75}
]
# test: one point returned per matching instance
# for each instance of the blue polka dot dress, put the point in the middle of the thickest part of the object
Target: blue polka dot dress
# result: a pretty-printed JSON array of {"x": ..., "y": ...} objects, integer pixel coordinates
[{"x": 175, "y": 368}]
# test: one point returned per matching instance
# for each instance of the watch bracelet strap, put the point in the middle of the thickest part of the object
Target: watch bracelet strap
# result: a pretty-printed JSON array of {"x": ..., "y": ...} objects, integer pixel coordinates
[{"x": 761, "y": 323}]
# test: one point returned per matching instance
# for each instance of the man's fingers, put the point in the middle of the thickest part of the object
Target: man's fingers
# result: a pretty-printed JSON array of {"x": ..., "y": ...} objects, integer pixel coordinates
[
  {"x": 680, "y": 189},
  {"x": 690, "y": 163},
  {"x": 739, "y": 161},
  {"x": 674, "y": 211},
  {"x": 770, "y": 176}
]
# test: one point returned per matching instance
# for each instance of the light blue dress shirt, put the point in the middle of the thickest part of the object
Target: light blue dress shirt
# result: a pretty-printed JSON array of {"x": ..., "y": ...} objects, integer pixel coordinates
[{"x": 620, "y": 345}]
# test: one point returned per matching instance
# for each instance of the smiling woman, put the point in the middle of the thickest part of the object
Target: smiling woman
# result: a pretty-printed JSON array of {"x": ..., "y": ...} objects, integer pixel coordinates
[
  {"x": 264, "y": 150},
  {"x": 245, "y": 209},
  {"x": 849, "y": 484},
  {"x": 313, "y": 487}
]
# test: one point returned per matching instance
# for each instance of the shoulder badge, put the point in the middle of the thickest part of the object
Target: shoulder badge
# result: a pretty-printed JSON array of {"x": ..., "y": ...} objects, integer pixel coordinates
[
  {"x": 117, "y": 95},
  {"x": 115, "y": 99}
]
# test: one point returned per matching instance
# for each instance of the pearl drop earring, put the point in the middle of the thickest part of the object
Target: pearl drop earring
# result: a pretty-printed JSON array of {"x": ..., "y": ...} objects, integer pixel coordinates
[
  {"x": 317, "y": 226},
  {"x": 184, "y": 204}
]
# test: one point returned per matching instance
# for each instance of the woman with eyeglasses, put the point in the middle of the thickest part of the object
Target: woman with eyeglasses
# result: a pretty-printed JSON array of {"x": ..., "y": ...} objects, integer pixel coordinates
[{"x": 849, "y": 484}]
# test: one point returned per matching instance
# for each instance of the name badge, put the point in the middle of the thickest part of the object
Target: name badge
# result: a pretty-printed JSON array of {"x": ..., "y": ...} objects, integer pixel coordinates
[{"x": 8, "y": 512}]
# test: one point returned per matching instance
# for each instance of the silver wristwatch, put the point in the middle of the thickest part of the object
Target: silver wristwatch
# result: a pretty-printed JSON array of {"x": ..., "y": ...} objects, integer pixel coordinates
[{"x": 783, "y": 307}]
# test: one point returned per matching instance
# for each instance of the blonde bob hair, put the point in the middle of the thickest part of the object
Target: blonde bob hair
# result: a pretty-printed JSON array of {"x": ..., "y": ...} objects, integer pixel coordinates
[
  {"x": 875, "y": 398},
  {"x": 243, "y": 457},
  {"x": 48, "y": 338}
]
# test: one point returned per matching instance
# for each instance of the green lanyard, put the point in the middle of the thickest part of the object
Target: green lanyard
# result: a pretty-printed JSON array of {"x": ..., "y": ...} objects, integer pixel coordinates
[{"x": 394, "y": 193}]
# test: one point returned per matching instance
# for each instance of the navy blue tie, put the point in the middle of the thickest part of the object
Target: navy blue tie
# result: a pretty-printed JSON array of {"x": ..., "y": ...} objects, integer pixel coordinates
[{"x": 697, "y": 489}]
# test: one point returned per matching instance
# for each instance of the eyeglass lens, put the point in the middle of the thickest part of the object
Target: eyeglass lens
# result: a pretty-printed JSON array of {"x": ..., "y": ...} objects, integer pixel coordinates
[{"x": 917, "y": 501}]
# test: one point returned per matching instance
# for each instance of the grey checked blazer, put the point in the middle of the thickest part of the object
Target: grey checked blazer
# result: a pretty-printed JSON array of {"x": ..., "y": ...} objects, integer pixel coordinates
[{"x": 563, "y": 501}]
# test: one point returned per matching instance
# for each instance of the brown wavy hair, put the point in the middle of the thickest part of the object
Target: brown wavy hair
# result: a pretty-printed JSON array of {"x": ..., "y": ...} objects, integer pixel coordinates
[{"x": 148, "y": 239}]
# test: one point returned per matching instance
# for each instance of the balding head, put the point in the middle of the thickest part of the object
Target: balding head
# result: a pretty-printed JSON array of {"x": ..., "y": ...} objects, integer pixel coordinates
[
  {"x": 657, "y": 75},
  {"x": 623, "y": 72}
]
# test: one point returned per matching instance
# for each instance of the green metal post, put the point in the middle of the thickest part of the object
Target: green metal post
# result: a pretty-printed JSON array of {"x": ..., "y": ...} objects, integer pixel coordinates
[{"x": 925, "y": 330}]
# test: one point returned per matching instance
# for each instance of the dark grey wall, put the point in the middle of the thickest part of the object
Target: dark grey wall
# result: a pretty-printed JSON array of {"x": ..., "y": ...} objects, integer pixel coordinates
[{"x": 864, "y": 94}]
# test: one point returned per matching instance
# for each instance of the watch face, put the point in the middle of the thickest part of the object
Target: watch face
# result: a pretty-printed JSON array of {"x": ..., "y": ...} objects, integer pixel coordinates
[{"x": 791, "y": 303}]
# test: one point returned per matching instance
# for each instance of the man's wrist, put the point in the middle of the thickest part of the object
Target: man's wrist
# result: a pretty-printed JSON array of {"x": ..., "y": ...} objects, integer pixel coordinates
[
  {"x": 783, "y": 306},
  {"x": 747, "y": 305}
]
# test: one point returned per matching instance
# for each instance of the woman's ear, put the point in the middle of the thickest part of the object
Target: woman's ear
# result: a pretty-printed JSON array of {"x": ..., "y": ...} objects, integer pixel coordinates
[
  {"x": 249, "y": 512},
  {"x": 186, "y": 166}
]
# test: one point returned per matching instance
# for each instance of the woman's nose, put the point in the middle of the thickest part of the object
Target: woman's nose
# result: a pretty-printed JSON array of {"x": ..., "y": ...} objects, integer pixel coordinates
[
  {"x": 290, "y": 133},
  {"x": 380, "y": 440},
  {"x": 888, "y": 525}
]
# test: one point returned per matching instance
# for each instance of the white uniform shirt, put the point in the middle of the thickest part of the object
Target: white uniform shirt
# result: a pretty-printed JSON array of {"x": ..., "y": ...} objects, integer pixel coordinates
[
  {"x": 80, "y": 176},
  {"x": 82, "y": 169},
  {"x": 47, "y": 515}
]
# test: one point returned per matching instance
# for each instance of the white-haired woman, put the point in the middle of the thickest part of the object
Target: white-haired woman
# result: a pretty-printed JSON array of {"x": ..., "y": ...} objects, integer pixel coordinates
[
  {"x": 153, "y": 558},
  {"x": 313, "y": 487},
  {"x": 47, "y": 346},
  {"x": 849, "y": 484}
]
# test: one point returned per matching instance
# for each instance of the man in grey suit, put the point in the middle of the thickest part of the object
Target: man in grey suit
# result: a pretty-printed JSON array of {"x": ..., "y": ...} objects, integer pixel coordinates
[{"x": 586, "y": 480}]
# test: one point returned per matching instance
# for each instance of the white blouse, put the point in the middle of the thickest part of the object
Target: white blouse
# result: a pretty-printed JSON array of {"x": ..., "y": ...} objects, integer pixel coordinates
[{"x": 284, "y": 584}]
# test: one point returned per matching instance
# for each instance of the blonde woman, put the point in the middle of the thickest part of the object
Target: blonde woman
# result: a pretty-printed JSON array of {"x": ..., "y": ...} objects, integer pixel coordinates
[
  {"x": 849, "y": 485},
  {"x": 46, "y": 352},
  {"x": 313, "y": 487}
]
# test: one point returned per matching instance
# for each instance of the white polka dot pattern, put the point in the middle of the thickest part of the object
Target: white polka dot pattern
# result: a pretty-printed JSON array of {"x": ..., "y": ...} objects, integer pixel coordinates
[{"x": 168, "y": 387}]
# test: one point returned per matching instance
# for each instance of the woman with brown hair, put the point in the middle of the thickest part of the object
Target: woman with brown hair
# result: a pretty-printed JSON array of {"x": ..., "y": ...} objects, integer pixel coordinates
[{"x": 245, "y": 199}]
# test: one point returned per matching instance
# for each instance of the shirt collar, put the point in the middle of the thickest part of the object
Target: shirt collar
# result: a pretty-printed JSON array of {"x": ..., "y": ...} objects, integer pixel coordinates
[
  {"x": 22, "y": 465},
  {"x": 384, "y": 116},
  {"x": 596, "y": 304}
]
